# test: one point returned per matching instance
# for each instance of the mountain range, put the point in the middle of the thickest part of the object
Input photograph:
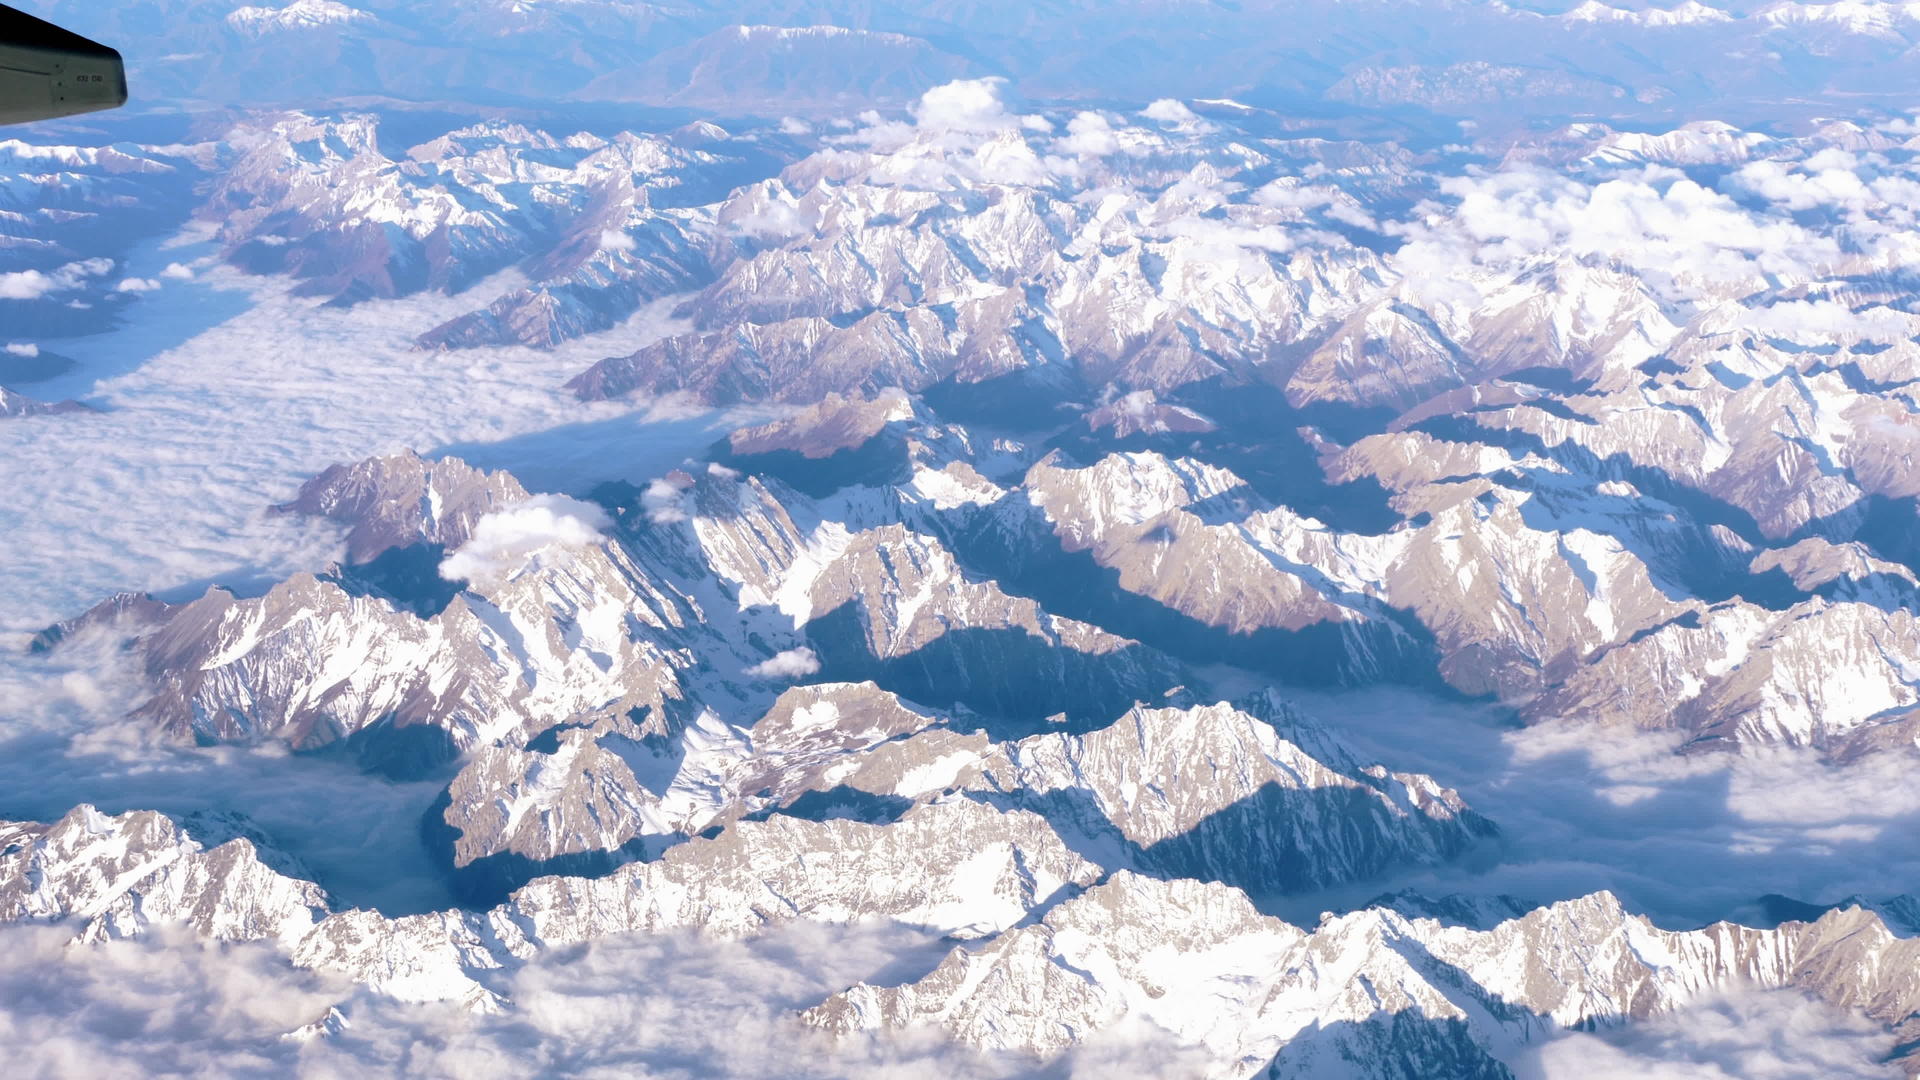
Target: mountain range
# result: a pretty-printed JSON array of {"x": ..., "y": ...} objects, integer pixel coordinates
[{"x": 1075, "y": 470}]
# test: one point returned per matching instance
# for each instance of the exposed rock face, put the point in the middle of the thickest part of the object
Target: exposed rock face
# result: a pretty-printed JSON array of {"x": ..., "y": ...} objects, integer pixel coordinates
[
  {"x": 592, "y": 684},
  {"x": 866, "y": 285},
  {"x": 398, "y": 501},
  {"x": 1480, "y": 592},
  {"x": 895, "y": 606},
  {"x": 594, "y": 798},
  {"x": 312, "y": 663},
  {"x": 1818, "y": 674},
  {"x": 608, "y": 265},
  {"x": 837, "y": 423},
  {"x": 961, "y": 867},
  {"x": 1142, "y": 413},
  {"x": 1266, "y": 802}
]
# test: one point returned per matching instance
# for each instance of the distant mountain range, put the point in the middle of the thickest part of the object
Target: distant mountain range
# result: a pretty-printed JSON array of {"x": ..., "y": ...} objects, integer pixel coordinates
[{"x": 1445, "y": 57}]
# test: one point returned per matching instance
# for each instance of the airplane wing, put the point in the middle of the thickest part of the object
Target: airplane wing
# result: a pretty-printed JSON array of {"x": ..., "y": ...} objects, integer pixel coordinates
[{"x": 46, "y": 71}]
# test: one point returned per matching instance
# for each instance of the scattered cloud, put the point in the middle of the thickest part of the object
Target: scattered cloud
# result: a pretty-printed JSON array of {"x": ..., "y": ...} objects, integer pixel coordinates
[
  {"x": 1089, "y": 134},
  {"x": 790, "y": 664},
  {"x": 503, "y": 540},
  {"x": 778, "y": 219},
  {"x": 958, "y": 131},
  {"x": 138, "y": 285},
  {"x": 973, "y": 106},
  {"x": 1170, "y": 111},
  {"x": 25, "y": 349},
  {"x": 1218, "y": 238},
  {"x": 1826, "y": 320},
  {"x": 615, "y": 240},
  {"x": 662, "y": 499},
  {"x": 35, "y": 284},
  {"x": 25, "y": 285},
  {"x": 1681, "y": 237}
]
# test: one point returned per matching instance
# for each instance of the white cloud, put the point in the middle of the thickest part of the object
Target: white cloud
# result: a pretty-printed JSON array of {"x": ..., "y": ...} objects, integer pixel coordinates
[
  {"x": 790, "y": 664},
  {"x": 958, "y": 132},
  {"x": 662, "y": 500},
  {"x": 177, "y": 272},
  {"x": 26, "y": 349},
  {"x": 503, "y": 540},
  {"x": 1780, "y": 1035},
  {"x": 34, "y": 284},
  {"x": 1170, "y": 111},
  {"x": 80, "y": 525},
  {"x": 25, "y": 285},
  {"x": 1685, "y": 839},
  {"x": 1089, "y": 134},
  {"x": 1682, "y": 238},
  {"x": 615, "y": 240},
  {"x": 137, "y": 285},
  {"x": 1825, "y": 180},
  {"x": 1218, "y": 237},
  {"x": 670, "y": 1007},
  {"x": 1825, "y": 320},
  {"x": 965, "y": 105},
  {"x": 790, "y": 125},
  {"x": 778, "y": 219},
  {"x": 167, "y": 1006},
  {"x": 1290, "y": 194}
]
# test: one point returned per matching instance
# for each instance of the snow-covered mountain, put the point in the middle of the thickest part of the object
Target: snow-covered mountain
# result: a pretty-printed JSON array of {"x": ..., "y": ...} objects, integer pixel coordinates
[
  {"x": 1053, "y": 948},
  {"x": 1081, "y": 441},
  {"x": 14, "y": 405},
  {"x": 1478, "y": 57}
]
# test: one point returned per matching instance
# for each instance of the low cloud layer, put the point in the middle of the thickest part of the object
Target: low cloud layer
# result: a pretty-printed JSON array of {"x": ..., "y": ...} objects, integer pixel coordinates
[
  {"x": 209, "y": 417},
  {"x": 681, "y": 1007},
  {"x": 1779, "y": 1035},
  {"x": 1686, "y": 840},
  {"x": 668, "y": 1006},
  {"x": 66, "y": 738},
  {"x": 170, "y": 1005}
]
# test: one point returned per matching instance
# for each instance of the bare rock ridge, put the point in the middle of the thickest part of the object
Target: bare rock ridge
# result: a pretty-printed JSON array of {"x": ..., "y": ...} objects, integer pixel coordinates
[{"x": 399, "y": 501}]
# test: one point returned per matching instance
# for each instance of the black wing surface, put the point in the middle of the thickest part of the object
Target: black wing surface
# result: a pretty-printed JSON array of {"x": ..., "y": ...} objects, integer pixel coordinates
[{"x": 47, "y": 71}]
